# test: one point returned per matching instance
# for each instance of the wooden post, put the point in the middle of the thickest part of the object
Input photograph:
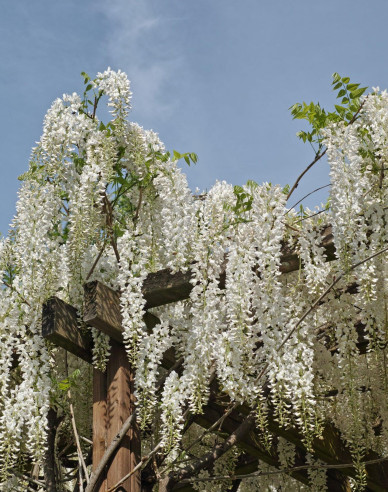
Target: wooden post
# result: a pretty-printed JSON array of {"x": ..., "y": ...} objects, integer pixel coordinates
[
  {"x": 99, "y": 423},
  {"x": 120, "y": 404}
]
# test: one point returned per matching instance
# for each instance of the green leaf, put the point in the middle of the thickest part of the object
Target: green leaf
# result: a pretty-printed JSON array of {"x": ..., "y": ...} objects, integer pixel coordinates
[
  {"x": 359, "y": 92},
  {"x": 341, "y": 93},
  {"x": 341, "y": 110},
  {"x": 345, "y": 80},
  {"x": 345, "y": 100},
  {"x": 352, "y": 87},
  {"x": 194, "y": 157},
  {"x": 88, "y": 87},
  {"x": 336, "y": 77},
  {"x": 337, "y": 86}
]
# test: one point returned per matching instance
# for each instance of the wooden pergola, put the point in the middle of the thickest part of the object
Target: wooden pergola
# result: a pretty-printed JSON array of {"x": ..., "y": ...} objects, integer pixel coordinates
[{"x": 113, "y": 400}]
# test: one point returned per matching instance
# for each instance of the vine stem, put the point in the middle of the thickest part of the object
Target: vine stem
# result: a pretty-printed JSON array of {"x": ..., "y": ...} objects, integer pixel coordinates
[
  {"x": 284, "y": 470},
  {"x": 142, "y": 462},
  {"x": 109, "y": 452},
  {"x": 75, "y": 431},
  {"x": 319, "y": 155},
  {"x": 17, "y": 292}
]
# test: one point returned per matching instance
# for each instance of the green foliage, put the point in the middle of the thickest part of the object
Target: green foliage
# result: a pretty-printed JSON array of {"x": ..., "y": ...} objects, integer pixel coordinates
[
  {"x": 318, "y": 118},
  {"x": 244, "y": 199},
  {"x": 70, "y": 381}
]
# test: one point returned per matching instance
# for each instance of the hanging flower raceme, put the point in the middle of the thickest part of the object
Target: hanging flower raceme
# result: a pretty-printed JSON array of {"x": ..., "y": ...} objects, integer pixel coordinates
[{"x": 107, "y": 202}]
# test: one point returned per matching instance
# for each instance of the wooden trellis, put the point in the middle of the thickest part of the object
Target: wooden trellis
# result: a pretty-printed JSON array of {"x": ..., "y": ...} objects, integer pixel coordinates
[{"x": 113, "y": 391}]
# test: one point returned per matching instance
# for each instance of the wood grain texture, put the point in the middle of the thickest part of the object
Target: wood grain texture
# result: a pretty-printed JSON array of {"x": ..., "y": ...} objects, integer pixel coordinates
[
  {"x": 99, "y": 423},
  {"x": 60, "y": 326},
  {"x": 120, "y": 404}
]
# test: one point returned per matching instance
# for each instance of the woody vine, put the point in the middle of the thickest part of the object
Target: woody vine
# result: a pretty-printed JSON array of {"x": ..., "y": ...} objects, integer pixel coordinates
[{"x": 106, "y": 201}]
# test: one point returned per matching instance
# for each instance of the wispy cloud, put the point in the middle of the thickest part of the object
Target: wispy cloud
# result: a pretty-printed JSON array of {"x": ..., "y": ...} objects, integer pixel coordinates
[{"x": 139, "y": 42}]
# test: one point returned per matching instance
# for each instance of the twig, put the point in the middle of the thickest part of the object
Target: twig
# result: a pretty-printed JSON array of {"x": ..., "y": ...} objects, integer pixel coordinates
[
  {"x": 17, "y": 292},
  {"x": 86, "y": 440},
  {"x": 96, "y": 261},
  {"x": 29, "y": 479},
  {"x": 143, "y": 462},
  {"x": 296, "y": 184},
  {"x": 79, "y": 450},
  {"x": 319, "y": 155},
  {"x": 218, "y": 423},
  {"x": 136, "y": 216},
  {"x": 308, "y": 194},
  {"x": 310, "y": 216},
  {"x": 217, "y": 451},
  {"x": 109, "y": 452},
  {"x": 75, "y": 432},
  {"x": 284, "y": 470}
]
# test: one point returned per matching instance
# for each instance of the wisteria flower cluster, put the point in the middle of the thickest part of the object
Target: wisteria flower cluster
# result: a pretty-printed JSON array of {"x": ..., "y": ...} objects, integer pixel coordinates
[{"x": 107, "y": 202}]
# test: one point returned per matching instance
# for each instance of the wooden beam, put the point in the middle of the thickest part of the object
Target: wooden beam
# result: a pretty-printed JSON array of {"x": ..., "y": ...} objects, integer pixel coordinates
[
  {"x": 102, "y": 311},
  {"x": 60, "y": 325},
  {"x": 163, "y": 287}
]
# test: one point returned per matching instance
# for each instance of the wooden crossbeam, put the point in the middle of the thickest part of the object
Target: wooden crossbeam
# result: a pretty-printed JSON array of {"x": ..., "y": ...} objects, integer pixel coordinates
[
  {"x": 60, "y": 325},
  {"x": 163, "y": 287}
]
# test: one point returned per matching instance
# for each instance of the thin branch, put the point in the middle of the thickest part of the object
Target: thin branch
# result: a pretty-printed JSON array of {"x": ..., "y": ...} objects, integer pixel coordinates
[
  {"x": 319, "y": 155},
  {"x": 284, "y": 470},
  {"x": 218, "y": 450},
  {"x": 86, "y": 440},
  {"x": 310, "y": 216},
  {"x": 29, "y": 479},
  {"x": 74, "y": 426},
  {"x": 136, "y": 216},
  {"x": 16, "y": 291},
  {"x": 218, "y": 423},
  {"x": 296, "y": 184},
  {"x": 96, "y": 261},
  {"x": 109, "y": 452},
  {"x": 308, "y": 194},
  {"x": 77, "y": 441},
  {"x": 143, "y": 462}
]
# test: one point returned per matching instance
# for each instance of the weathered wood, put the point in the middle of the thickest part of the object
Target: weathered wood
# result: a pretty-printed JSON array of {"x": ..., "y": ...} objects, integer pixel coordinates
[
  {"x": 120, "y": 402},
  {"x": 109, "y": 319},
  {"x": 102, "y": 311},
  {"x": 60, "y": 326},
  {"x": 99, "y": 423},
  {"x": 164, "y": 287}
]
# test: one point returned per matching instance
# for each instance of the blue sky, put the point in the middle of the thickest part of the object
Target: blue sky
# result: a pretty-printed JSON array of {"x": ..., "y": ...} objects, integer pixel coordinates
[{"x": 215, "y": 77}]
